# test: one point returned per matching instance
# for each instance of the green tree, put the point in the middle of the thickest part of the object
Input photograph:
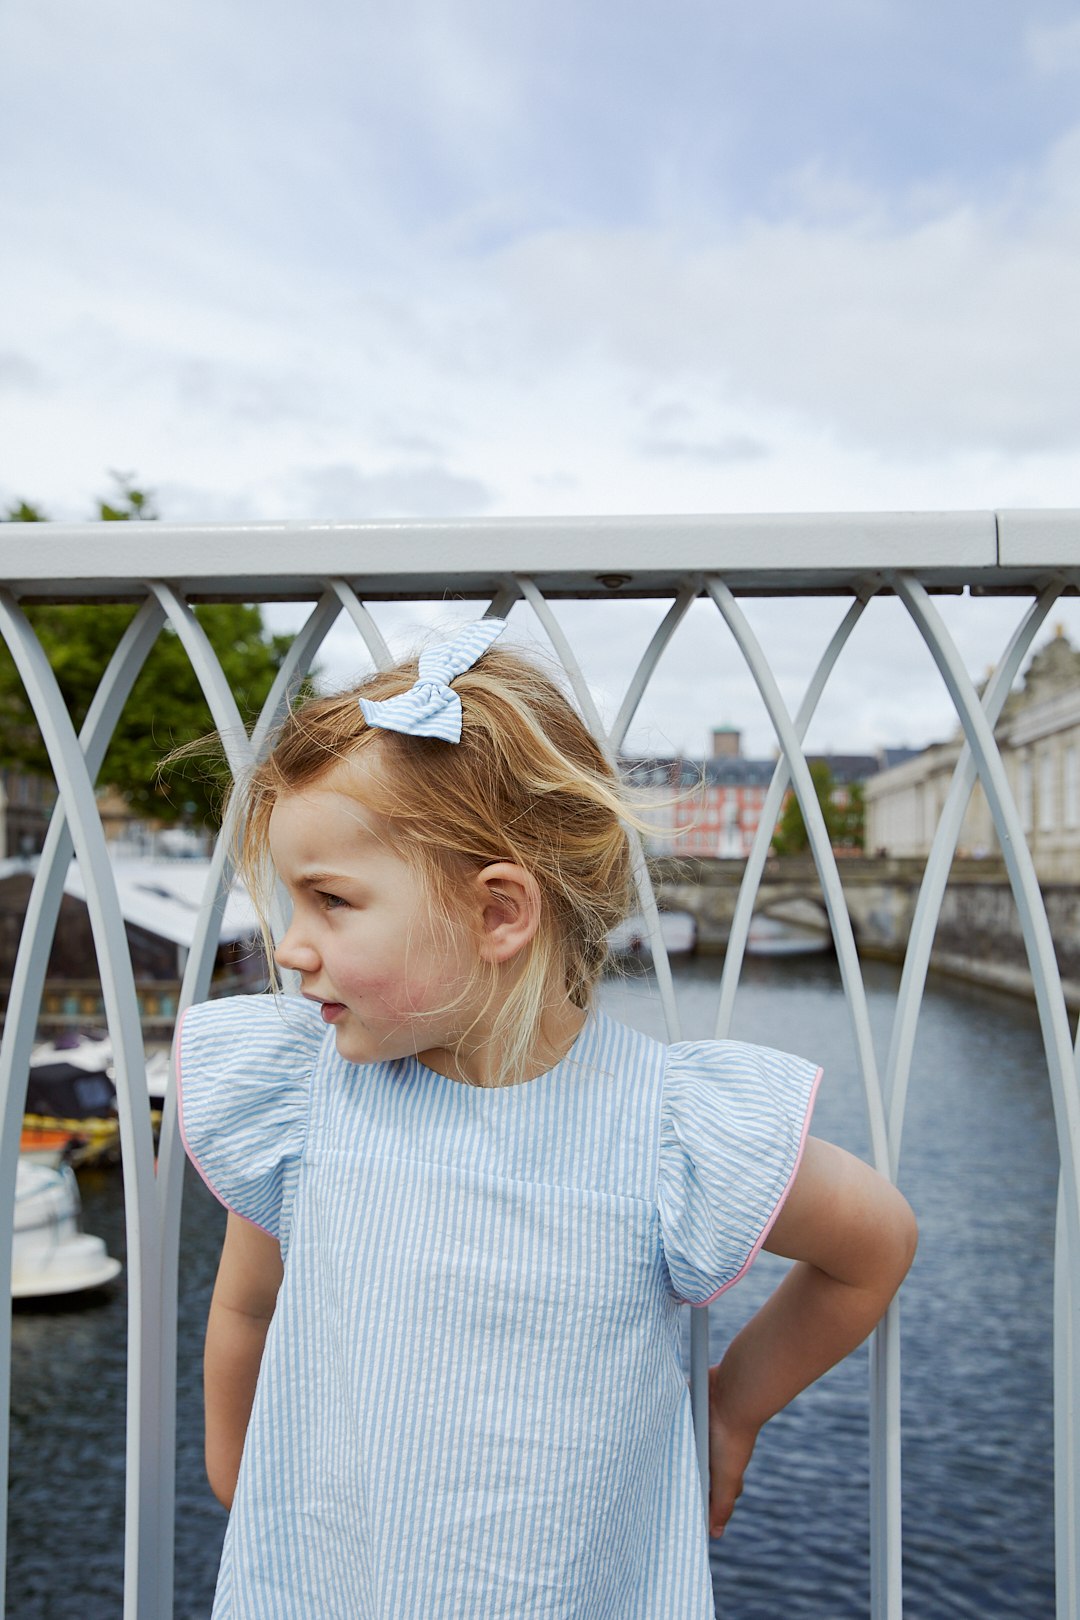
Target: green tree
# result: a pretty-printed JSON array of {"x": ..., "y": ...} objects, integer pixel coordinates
[
  {"x": 790, "y": 837},
  {"x": 166, "y": 707},
  {"x": 849, "y": 830}
]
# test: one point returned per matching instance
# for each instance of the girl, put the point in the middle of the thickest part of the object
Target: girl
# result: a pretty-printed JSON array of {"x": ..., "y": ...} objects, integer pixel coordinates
[{"x": 442, "y": 1364}]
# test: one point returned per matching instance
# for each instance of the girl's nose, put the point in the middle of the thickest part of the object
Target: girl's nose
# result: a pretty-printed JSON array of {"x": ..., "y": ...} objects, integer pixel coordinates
[{"x": 293, "y": 952}]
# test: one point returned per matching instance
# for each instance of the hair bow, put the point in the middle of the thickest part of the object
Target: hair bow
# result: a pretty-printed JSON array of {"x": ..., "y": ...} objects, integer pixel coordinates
[{"x": 429, "y": 708}]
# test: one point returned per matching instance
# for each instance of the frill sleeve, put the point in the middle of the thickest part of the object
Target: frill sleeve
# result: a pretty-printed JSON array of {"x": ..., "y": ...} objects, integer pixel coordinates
[
  {"x": 733, "y": 1124},
  {"x": 243, "y": 1072}
]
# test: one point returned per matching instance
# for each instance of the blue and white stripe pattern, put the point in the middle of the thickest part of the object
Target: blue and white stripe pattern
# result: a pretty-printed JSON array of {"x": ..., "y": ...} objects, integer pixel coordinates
[
  {"x": 471, "y": 1402},
  {"x": 431, "y": 708}
]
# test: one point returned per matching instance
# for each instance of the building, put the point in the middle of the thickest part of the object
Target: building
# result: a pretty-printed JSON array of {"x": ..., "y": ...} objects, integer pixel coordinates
[
  {"x": 712, "y": 807},
  {"x": 1038, "y": 734},
  {"x": 26, "y": 804}
]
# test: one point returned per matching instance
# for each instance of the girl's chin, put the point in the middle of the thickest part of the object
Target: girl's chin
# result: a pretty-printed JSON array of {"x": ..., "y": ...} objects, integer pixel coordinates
[{"x": 353, "y": 1042}]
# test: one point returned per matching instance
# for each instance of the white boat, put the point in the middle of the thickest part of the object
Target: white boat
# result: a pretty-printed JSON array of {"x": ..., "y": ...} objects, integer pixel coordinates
[
  {"x": 70, "y": 1109},
  {"x": 774, "y": 936},
  {"x": 50, "y": 1254},
  {"x": 678, "y": 930},
  {"x": 81, "y": 1069}
]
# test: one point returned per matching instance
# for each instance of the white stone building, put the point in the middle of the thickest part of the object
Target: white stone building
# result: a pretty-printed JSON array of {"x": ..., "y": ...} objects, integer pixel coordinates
[{"x": 1039, "y": 738}]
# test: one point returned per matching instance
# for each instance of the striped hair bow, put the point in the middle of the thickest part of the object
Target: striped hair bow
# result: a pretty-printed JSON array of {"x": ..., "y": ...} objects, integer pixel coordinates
[{"x": 430, "y": 708}]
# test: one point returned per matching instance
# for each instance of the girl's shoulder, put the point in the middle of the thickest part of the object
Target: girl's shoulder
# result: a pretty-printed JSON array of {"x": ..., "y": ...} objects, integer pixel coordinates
[
  {"x": 733, "y": 1122},
  {"x": 284, "y": 1024}
]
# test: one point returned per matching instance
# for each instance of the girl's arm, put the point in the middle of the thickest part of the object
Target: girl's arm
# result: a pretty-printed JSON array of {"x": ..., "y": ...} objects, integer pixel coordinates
[
  {"x": 245, "y": 1294},
  {"x": 853, "y": 1237}
]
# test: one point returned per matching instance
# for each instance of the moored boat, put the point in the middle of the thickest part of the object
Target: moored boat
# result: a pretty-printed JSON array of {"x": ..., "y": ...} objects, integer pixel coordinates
[
  {"x": 678, "y": 930},
  {"x": 50, "y": 1254},
  {"x": 775, "y": 936},
  {"x": 70, "y": 1096}
]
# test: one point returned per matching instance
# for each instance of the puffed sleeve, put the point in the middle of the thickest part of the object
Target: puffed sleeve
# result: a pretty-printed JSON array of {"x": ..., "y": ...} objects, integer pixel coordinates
[
  {"x": 243, "y": 1072},
  {"x": 733, "y": 1122}
]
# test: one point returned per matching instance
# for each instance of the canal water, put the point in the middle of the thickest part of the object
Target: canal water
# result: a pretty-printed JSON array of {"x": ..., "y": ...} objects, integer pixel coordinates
[{"x": 980, "y": 1166}]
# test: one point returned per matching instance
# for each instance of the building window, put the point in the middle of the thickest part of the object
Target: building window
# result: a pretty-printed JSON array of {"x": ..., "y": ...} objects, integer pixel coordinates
[
  {"x": 1046, "y": 791},
  {"x": 1025, "y": 793},
  {"x": 1072, "y": 786}
]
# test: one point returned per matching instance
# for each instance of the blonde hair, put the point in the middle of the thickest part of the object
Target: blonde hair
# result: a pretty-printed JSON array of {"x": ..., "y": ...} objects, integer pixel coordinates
[{"x": 526, "y": 783}]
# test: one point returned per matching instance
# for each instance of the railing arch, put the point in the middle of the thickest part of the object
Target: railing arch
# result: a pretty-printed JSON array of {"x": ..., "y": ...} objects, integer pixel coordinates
[{"x": 517, "y": 568}]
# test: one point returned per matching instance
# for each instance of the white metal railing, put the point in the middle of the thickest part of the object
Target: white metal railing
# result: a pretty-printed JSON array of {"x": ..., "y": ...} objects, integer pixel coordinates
[{"x": 336, "y": 567}]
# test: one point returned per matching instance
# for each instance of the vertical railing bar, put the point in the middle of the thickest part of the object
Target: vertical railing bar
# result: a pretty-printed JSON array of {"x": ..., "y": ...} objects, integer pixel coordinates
[
  {"x": 1049, "y": 996},
  {"x": 744, "y": 910},
  {"x": 770, "y": 813},
  {"x": 28, "y": 978},
  {"x": 372, "y": 636},
  {"x": 196, "y": 987},
  {"x": 650, "y": 658},
  {"x": 1049, "y": 1000},
  {"x": 824, "y": 860},
  {"x": 567, "y": 657},
  {"x": 239, "y": 752},
  {"x": 1066, "y": 1409},
  {"x": 503, "y": 601},
  {"x": 302, "y": 649},
  {"x": 122, "y": 1016},
  {"x": 936, "y": 876},
  {"x": 645, "y": 891},
  {"x": 699, "y": 1395},
  {"x": 699, "y": 1329},
  {"x": 885, "y": 1523},
  {"x": 885, "y": 1368}
]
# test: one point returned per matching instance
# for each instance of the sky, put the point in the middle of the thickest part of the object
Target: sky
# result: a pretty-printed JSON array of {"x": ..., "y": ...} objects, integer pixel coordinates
[{"x": 455, "y": 257}]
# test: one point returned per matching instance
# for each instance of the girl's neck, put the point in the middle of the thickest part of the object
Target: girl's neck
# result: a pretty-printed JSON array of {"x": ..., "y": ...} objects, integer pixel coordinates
[{"x": 559, "y": 1029}]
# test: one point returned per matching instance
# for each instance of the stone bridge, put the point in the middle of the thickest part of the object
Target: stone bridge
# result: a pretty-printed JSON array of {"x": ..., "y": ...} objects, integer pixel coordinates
[{"x": 978, "y": 935}]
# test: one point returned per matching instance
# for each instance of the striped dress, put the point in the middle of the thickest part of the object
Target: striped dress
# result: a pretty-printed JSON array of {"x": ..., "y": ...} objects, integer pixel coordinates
[{"x": 471, "y": 1404}]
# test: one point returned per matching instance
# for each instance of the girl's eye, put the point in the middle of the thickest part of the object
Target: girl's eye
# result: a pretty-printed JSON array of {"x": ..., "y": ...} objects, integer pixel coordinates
[{"x": 329, "y": 902}]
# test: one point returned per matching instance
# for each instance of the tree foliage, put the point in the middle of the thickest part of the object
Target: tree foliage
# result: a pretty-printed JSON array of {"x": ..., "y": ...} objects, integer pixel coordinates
[
  {"x": 849, "y": 831},
  {"x": 843, "y": 822},
  {"x": 166, "y": 707}
]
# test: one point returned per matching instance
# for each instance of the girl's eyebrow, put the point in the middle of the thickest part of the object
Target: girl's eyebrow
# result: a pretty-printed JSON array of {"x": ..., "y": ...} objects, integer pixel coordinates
[{"x": 319, "y": 880}]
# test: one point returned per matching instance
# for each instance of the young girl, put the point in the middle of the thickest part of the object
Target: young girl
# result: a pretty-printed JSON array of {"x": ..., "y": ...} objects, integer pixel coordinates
[{"x": 442, "y": 1362}]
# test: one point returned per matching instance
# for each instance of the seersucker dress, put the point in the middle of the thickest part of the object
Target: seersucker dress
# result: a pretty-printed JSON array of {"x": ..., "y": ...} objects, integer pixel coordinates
[{"x": 471, "y": 1402}]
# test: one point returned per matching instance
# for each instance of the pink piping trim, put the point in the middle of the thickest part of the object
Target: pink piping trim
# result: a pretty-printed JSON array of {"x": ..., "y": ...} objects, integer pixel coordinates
[
  {"x": 780, "y": 1202},
  {"x": 177, "y": 1047}
]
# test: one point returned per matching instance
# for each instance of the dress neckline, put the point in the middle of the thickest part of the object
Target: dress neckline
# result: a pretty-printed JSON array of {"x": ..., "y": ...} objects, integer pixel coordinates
[{"x": 572, "y": 1055}]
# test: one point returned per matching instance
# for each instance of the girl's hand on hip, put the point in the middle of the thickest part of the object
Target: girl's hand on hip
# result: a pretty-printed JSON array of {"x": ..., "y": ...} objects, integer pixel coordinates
[{"x": 730, "y": 1450}]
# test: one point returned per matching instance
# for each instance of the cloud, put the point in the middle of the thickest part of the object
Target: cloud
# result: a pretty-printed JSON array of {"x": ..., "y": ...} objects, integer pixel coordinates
[
  {"x": 343, "y": 491},
  {"x": 1054, "y": 47},
  {"x": 953, "y": 330},
  {"x": 442, "y": 252},
  {"x": 19, "y": 374},
  {"x": 249, "y": 394},
  {"x": 722, "y": 451}
]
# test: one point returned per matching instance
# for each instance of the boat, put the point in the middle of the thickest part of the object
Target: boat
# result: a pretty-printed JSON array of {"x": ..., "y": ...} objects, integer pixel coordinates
[
  {"x": 71, "y": 1112},
  {"x": 158, "y": 1073},
  {"x": 774, "y": 936},
  {"x": 678, "y": 930},
  {"x": 50, "y": 1254},
  {"x": 46, "y": 1143},
  {"x": 70, "y": 1094}
]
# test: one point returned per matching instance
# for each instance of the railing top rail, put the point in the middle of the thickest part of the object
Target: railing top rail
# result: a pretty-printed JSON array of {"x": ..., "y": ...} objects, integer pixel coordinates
[{"x": 582, "y": 556}]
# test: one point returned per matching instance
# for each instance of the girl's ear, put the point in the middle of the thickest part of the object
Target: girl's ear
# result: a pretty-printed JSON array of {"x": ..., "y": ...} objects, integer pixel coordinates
[{"x": 509, "y": 899}]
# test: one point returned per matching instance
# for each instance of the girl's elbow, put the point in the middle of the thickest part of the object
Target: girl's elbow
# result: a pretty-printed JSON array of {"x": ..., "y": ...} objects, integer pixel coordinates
[
  {"x": 904, "y": 1236},
  {"x": 222, "y": 1482}
]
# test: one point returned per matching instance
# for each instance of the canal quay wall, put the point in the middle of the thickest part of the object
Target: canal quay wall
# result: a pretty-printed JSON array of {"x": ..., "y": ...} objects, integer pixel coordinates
[{"x": 978, "y": 936}]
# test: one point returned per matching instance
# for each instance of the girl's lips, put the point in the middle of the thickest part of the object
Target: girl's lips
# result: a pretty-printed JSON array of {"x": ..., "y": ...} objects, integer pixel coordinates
[{"x": 331, "y": 1010}]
